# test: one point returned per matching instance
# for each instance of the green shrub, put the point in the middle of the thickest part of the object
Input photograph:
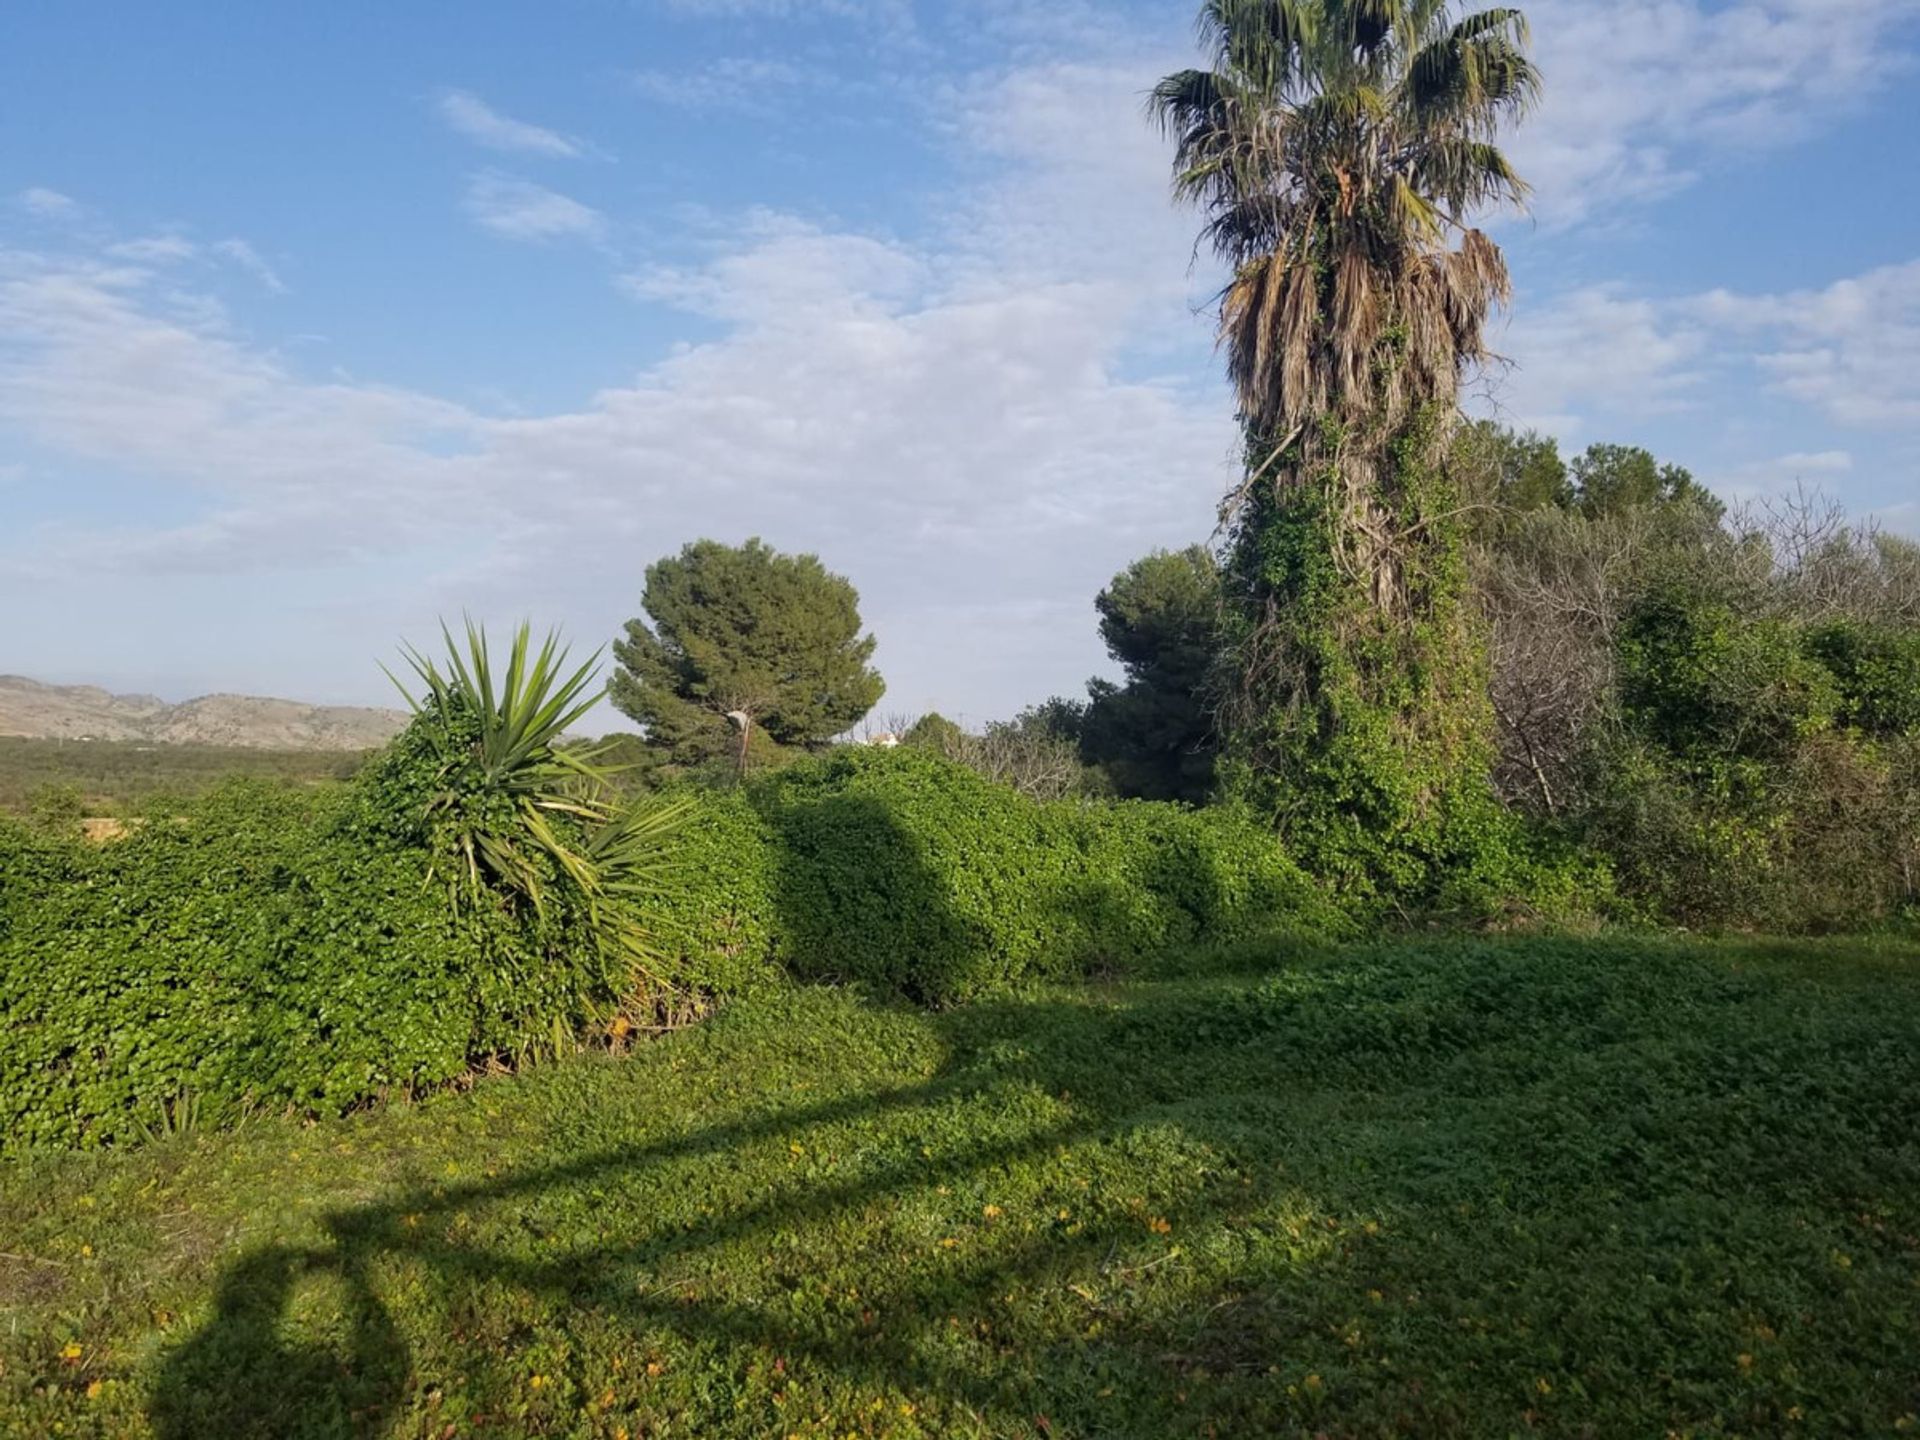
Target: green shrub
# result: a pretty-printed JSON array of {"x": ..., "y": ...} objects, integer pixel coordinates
[
  {"x": 248, "y": 953},
  {"x": 263, "y": 949},
  {"x": 1877, "y": 671},
  {"x": 714, "y": 924},
  {"x": 911, "y": 873},
  {"x": 1199, "y": 875},
  {"x": 471, "y": 896},
  {"x": 1763, "y": 774},
  {"x": 1702, "y": 681}
]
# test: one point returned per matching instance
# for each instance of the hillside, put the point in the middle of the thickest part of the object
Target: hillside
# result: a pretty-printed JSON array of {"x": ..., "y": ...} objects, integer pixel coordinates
[{"x": 32, "y": 710}]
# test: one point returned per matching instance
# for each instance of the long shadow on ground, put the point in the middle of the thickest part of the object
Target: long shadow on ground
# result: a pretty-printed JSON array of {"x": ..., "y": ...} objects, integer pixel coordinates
[
  {"x": 1566, "y": 1188},
  {"x": 1433, "y": 1190}
]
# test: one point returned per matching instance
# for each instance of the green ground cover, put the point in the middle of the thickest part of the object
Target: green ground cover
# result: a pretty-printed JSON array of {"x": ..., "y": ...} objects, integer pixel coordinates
[{"x": 1447, "y": 1187}]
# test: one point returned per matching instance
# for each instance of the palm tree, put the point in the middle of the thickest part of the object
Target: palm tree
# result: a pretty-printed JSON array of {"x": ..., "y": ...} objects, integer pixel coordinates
[{"x": 1340, "y": 151}]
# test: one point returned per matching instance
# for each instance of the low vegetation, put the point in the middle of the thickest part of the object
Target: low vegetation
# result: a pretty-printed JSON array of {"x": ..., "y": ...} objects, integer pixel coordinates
[
  {"x": 1440, "y": 1187},
  {"x": 124, "y": 777},
  {"x": 481, "y": 896}
]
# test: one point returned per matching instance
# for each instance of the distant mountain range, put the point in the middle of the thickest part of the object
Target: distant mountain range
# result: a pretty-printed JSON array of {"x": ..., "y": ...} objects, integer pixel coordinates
[{"x": 86, "y": 712}]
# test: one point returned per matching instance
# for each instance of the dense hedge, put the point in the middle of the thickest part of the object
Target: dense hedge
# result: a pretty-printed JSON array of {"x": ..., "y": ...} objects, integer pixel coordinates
[
  {"x": 264, "y": 949},
  {"x": 715, "y": 921},
  {"x": 908, "y": 872},
  {"x": 274, "y": 949}
]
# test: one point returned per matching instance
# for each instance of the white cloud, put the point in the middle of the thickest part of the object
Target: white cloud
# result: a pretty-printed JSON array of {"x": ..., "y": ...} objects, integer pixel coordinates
[
  {"x": 250, "y": 260},
  {"x": 155, "y": 249},
  {"x": 1640, "y": 94},
  {"x": 522, "y": 210},
  {"x": 1849, "y": 351},
  {"x": 891, "y": 14},
  {"x": 48, "y": 204},
  {"x": 960, "y": 436},
  {"x": 1781, "y": 474},
  {"x": 742, "y": 84},
  {"x": 1595, "y": 348},
  {"x": 467, "y": 114},
  {"x": 777, "y": 271},
  {"x": 1852, "y": 349},
  {"x": 972, "y": 426}
]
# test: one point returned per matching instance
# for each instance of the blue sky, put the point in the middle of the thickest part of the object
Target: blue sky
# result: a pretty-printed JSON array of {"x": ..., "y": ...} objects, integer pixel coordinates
[{"x": 319, "y": 322}]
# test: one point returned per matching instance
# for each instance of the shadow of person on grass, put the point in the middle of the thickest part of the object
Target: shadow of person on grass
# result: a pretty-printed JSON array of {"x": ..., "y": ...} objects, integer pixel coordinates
[{"x": 244, "y": 1352}]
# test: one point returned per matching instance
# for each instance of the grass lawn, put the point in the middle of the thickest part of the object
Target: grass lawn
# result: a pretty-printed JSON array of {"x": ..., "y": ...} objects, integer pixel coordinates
[{"x": 1607, "y": 1188}]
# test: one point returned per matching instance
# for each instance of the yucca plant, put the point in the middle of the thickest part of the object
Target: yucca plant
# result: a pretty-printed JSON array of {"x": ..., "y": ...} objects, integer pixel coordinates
[{"x": 518, "y": 806}]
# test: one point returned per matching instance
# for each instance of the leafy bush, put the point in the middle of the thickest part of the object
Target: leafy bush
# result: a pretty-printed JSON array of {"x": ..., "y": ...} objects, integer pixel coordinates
[
  {"x": 1701, "y": 680},
  {"x": 713, "y": 927},
  {"x": 1876, "y": 669},
  {"x": 908, "y": 872},
  {"x": 1760, "y": 775},
  {"x": 273, "y": 949},
  {"x": 472, "y": 895},
  {"x": 247, "y": 953}
]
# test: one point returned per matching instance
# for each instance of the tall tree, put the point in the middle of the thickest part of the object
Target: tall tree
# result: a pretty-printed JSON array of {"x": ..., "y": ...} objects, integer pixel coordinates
[
  {"x": 1611, "y": 478},
  {"x": 1498, "y": 470},
  {"x": 743, "y": 631},
  {"x": 1153, "y": 735},
  {"x": 1339, "y": 151}
]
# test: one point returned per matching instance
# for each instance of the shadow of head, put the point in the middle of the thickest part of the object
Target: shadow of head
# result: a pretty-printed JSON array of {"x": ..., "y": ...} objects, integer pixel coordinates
[{"x": 301, "y": 1331}]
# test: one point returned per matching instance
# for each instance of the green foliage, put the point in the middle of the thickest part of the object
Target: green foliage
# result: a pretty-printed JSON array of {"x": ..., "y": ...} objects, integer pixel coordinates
[
  {"x": 501, "y": 786},
  {"x": 268, "y": 949},
  {"x": 262, "y": 950},
  {"x": 1036, "y": 754},
  {"x": 1610, "y": 478},
  {"x": 910, "y": 873},
  {"x": 1765, "y": 773},
  {"x": 56, "y": 809},
  {"x": 1876, "y": 668},
  {"x": 1505, "y": 471},
  {"x": 474, "y": 895},
  {"x": 933, "y": 731},
  {"x": 714, "y": 928},
  {"x": 1361, "y": 728},
  {"x": 1443, "y": 1189},
  {"x": 744, "y": 628},
  {"x": 1704, "y": 682},
  {"x": 1153, "y": 735},
  {"x": 508, "y": 808}
]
